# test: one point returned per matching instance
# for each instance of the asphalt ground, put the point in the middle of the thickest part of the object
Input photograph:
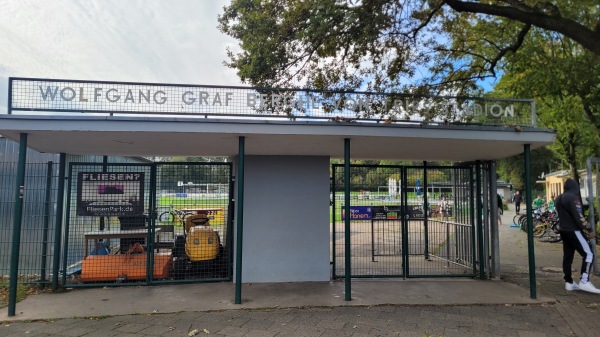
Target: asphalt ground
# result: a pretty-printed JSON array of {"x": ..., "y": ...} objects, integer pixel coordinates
[{"x": 413, "y": 307}]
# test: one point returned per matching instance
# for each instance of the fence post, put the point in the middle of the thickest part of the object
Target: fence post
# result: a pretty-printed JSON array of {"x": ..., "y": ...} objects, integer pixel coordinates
[
  {"x": 494, "y": 229},
  {"x": 347, "y": 229},
  {"x": 46, "y": 224},
  {"x": 426, "y": 211},
  {"x": 240, "y": 221},
  {"x": 60, "y": 195},
  {"x": 479, "y": 215},
  {"x": 528, "y": 210},
  {"x": 17, "y": 220}
]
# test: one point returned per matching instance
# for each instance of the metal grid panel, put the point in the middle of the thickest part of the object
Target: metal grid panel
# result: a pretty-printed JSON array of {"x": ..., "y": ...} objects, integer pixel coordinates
[
  {"x": 406, "y": 221},
  {"x": 186, "y": 195},
  {"x": 376, "y": 236},
  {"x": 37, "y": 228},
  {"x": 135, "y": 223},
  {"x": 102, "y": 200}
]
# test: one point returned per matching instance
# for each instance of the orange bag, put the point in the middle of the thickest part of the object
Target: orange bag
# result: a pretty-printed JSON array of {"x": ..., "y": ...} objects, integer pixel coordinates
[{"x": 124, "y": 267}]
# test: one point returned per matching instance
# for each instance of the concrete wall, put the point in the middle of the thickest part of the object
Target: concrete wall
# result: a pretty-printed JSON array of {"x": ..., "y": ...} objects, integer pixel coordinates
[{"x": 286, "y": 219}]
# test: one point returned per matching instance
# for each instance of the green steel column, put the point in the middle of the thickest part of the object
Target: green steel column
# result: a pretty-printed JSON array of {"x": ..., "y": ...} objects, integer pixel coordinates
[
  {"x": 478, "y": 214},
  {"x": 333, "y": 220},
  {"x": 528, "y": 210},
  {"x": 67, "y": 224},
  {"x": 17, "y": 219},
  {"x": 47, "y": 209},
  {"x": 494, "y": 229},
  {"x": 347, "y": 255},
  {"x": 425, "y": 211},
  {"x": 104, "y": 169},
  {"x": 152, "y": 224},
  {"x": 239, "y": 222},
  {"x": 472, "y": 211},
  {"x": 404, "y": 221},
  {"x": 60, "y": 195},
  {"x": 230, "y": 215}
]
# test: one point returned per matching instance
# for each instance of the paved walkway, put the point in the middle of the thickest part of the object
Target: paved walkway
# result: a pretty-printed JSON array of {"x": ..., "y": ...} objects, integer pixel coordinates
[{"x": 413, "y": 307}]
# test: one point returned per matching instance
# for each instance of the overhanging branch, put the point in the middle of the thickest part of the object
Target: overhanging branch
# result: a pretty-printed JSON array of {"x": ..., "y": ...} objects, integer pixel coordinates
[{"x": 587, "y": 38}]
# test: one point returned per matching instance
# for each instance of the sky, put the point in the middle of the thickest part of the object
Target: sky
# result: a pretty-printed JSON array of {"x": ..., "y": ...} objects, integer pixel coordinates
[{"x": 159, "y": 41}]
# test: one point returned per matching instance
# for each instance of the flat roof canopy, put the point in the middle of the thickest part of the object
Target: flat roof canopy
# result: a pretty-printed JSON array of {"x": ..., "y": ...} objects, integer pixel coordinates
[{"x": 173, "y": 136}]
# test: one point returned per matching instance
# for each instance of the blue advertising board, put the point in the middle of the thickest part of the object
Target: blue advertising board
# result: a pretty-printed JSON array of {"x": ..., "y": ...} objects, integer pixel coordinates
[{"x": 358, "y": 213}]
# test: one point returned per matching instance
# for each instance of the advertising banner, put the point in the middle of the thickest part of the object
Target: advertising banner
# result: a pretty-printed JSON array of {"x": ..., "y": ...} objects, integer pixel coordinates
[
  {"x": 358, "y": 213},
  {"x": 110, "y": 193},
  {"x": 391, "y": 212},
  {"x": 387, "y": 212}
]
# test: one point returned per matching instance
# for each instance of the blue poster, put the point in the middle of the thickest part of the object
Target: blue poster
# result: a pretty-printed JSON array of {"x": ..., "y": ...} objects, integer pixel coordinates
[{"x": 358, "y": 213}]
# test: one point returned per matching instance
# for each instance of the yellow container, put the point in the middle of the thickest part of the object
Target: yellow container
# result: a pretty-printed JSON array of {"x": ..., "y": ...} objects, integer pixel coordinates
[{"x": 202, "y": 244}]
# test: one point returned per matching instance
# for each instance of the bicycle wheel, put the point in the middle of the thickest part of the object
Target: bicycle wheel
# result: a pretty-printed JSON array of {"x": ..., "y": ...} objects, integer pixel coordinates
[
  {"x": 540, "y": 229},
  {"x": 516, "y": 218},
  {"x": 166, "y": 217},
  {"x": 523, "y": 223}
]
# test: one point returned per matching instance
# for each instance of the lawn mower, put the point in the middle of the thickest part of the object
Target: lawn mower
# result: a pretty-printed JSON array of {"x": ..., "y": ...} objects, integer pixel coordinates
[{"x": 199, "y": 252}]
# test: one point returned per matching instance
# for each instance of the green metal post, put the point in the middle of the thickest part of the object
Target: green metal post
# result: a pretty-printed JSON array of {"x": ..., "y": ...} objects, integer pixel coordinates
[
  {"x": 425, "y": 211},
  {"x": 60, "y": 195},
  {"x": 404, "y": 221},
  {"x": 333, "y": 220},
  {"x": 494, "y": 230},
  {"x": 65, "y": 242},
  {"x": 528, "y": 210},
  {"x": 347, "y": 254},
  {"x": 104, "y": 169},
  {"x": 478, "y": 196},
  {"x": 17, "y": 219},
  {"x": 240, "y": 222},
  {"x": 152, "y": 225},
  {"x": 472, "y": 211},
  {"x": 47, "y": 209},
  {"x": 230, "y": 210}
]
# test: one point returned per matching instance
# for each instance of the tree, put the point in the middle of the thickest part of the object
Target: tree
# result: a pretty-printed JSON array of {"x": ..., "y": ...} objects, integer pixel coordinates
[
  {"x": 559, "y": 76},
  {"x": 547, "y": 15},
  {"x": 512, "y": 169},
  {"x": 388, "y": 46}
]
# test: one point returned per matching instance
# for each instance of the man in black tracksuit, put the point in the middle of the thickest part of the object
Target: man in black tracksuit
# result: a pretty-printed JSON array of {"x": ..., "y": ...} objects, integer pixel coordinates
[
  {"x": 572, "y": 225},
  {"x": 517, "y": 200}
]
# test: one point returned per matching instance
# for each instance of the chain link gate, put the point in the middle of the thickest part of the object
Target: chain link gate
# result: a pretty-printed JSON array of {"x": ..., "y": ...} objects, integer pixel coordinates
[
  {"x": 147, "y": 223},
  {"x": 406, "y": 221}
]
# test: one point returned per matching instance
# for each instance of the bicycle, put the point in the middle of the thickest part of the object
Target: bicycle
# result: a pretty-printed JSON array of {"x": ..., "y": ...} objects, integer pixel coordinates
[
  {"x": 544, "y": 221},
  {"x": 551, "y": 234},
  {"x": 173, "y": 214}
]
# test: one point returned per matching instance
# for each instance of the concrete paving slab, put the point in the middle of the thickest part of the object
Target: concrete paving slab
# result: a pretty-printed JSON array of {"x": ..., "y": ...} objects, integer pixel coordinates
[{"x": 220, "y": 296}]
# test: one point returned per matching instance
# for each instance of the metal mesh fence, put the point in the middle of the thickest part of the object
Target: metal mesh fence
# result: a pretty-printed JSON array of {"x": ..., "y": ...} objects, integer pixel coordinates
[
  {"x": 37, "y": 228},
  {"x": 441, "y": 243},
  {"x": 375, "y": 213},
  {"x": 195, "y": 199},
  {"x": 147, "y": 223},
  {"x": 405, "y": 221}
]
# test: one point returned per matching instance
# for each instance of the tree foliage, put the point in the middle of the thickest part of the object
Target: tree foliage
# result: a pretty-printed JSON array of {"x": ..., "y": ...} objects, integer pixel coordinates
[
  {"x": 564, "y": 81},
  {"x": 378, "y": 45},
  {"x": 548, "y": 50},
  {"x": 513, "y": 169}
]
